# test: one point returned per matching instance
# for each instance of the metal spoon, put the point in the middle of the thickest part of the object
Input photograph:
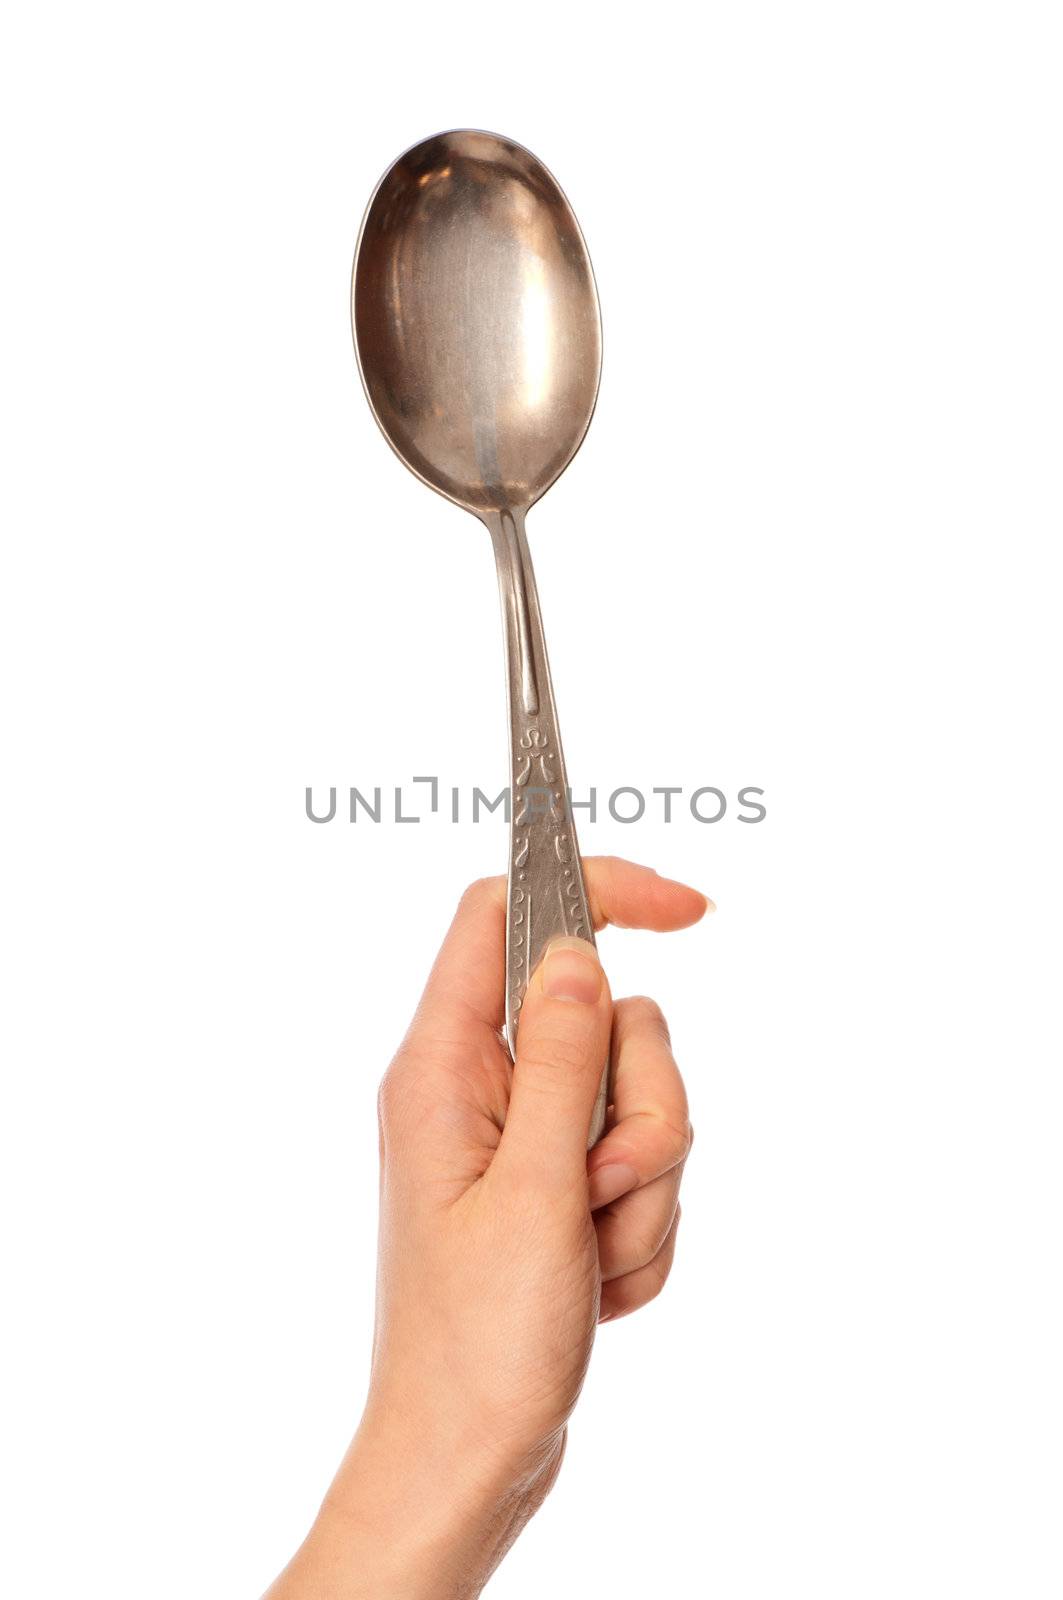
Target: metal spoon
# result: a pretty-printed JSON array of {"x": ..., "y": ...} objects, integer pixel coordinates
[{"x": 479, "y": 342}]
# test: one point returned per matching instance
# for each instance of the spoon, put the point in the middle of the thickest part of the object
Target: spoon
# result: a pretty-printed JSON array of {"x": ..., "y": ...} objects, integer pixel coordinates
[{"x": 479, "y": 342}]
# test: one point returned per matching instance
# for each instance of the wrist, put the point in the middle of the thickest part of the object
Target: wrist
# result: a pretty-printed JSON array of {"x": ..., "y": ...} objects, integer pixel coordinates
[{"x": 417, "y": 1514}]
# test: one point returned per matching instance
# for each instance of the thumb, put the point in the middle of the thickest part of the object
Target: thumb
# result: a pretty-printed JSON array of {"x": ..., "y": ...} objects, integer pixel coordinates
[{"x": 562, "y": 1049}]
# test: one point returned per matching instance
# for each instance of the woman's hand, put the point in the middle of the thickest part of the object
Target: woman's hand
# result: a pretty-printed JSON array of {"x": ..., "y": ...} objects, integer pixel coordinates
[{"x": 502, "y": 1244}]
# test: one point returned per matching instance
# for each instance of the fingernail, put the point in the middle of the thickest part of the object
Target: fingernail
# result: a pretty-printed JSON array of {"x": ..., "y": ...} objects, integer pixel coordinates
[
  {"x": 571, "y": 971},
  {"x": 710, "y": 905},
  {"x": 609, "y": 1183}
]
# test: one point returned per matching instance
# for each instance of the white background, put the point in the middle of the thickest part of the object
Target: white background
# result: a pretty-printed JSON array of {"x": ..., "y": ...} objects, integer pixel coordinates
[{"x": 810, "y": 544}]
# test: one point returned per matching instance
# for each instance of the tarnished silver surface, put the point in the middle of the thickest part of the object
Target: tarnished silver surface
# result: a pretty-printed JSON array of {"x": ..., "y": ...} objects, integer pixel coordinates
[{"x": 478, "y": 336}]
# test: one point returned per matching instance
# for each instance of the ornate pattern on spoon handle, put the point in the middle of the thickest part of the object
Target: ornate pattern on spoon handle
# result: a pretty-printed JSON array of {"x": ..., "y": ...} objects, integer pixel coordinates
[{"x": 547, "y": 896}]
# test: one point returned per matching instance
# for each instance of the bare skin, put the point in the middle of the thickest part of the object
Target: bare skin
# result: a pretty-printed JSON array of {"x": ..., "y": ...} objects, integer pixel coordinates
[{"x": 502, "y": 1245}]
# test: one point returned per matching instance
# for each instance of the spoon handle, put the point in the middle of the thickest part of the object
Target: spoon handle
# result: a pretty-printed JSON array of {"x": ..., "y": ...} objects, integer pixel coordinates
[{"x": 547, "y": 896}]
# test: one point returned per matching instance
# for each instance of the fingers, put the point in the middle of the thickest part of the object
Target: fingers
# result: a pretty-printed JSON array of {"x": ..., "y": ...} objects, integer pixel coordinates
[
  {"x": 637, "y": 1289},
  {"x": 562, "y": 1047},
  {"x": 651, "y": 1131},
  {"x": 467, "y": 982},
  {"x": 631, "y": 1232},
  {"x": 635, "y": 1172},
  {"x": 631, "y": 896}
]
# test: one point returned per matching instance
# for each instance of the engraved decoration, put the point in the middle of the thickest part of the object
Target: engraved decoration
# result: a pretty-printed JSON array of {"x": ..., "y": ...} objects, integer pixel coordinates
[{"x": 544, "y": 852}]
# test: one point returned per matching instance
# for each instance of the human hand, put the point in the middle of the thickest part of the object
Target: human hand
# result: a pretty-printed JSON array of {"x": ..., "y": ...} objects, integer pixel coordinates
[{"x": 502, "y": 1244}]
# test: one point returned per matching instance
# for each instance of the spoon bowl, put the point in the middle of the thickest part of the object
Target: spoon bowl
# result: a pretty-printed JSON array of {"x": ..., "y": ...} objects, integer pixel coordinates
[{"x": 476, "y": 320}]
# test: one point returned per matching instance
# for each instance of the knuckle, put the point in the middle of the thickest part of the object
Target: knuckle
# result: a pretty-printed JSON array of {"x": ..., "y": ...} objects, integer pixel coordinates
[
  {"x": 657, "y": 1280},
  {"x": 392, "y": 1092},
  {"x": 644, "y": 1248},
  {"x": 478, "y": 894},
  {"x": 682, "y": 1138},
  {"x": 652, "y": 1278},
  {"x": 672, "y": 1140},
  {"x": 645, "y": 1011},
  {"x": 553, "y": 1055},
  {"x": 661, "y": 1265},
  {"x": 385, "y": 1098},
  {"x": 650, "y": 1283}
]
